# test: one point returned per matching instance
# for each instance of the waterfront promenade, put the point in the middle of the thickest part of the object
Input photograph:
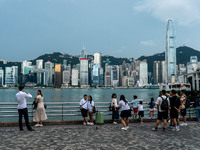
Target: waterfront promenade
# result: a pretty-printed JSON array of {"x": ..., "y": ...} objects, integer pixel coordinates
[{"x": 106, "y": 137}]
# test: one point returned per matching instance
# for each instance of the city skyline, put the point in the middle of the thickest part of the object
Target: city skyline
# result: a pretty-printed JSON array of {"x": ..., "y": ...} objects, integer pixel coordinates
[{"x": 33, "y": 28}]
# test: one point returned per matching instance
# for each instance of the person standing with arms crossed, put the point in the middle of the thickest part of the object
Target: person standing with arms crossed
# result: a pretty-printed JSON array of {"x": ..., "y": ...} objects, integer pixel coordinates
[{"x": 22, "y": 108}]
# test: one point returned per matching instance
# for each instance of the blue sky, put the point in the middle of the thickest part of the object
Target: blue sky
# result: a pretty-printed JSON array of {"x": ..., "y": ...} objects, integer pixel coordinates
[{"x": 122, "y": 28}]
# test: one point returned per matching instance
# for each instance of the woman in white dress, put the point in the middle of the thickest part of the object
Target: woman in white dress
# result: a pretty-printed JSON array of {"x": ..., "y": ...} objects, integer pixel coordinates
[{"x": 40, "y": 113}]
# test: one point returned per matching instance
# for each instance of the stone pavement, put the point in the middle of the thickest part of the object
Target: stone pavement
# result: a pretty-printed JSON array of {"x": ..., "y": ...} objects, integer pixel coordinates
[{"x": 105, "y": 137}]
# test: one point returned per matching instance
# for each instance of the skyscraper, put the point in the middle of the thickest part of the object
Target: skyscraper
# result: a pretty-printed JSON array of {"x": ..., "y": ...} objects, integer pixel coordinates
[
  {"x": 97, "y": 59},
  {"x": 1, "y": 77},
  {"x": 83, "y": 68},
  {"x": 66, "y": 77},
  {"x": 107, "y": 76},
  {"x": 39, "y": 65},
  {"x": 143, "y": 74},
  {"x": 48, "y": 73},
  {"x": 170, "y": 51},
  {"x": 11, "y": 76},
  {"x": 74, "y": 77},
  {"x": 114, "y": 75},
  {"x": 58, "y": 79},
  {"x": 95, "y": 75},
  {"x": 26, "y": 67},
  {"x": 64, "y": 64}
]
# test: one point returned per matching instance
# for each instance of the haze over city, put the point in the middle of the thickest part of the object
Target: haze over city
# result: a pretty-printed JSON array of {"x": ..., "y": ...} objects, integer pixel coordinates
[{"x": 122, "y": 29}]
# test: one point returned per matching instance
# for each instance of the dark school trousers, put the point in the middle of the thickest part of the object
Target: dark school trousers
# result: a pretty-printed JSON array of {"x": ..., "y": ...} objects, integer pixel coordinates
[{"x": 25, "y": 113}]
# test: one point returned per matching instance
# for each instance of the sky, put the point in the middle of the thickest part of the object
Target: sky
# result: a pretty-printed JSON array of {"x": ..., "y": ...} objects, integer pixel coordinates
[{"x": 121, "y": 28}]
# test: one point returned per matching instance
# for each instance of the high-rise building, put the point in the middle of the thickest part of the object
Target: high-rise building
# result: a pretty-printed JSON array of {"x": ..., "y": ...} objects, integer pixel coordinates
[
  {"x": 11, "y": 76},
  {"x": 101, "y": 83},
  {"x": 58, "y": 75},
  {"x": 170, "y": 52},
  {"x": 143, "y": 74},
  {"x": 97, "y": 59},
  {"x": 120, "y": 75},
  {"x": 74, "y": 77},
  {"x": 26, "y": 67},
  {"x": 48, "y": 73},
  {"x": 114, "y": 75},
  {"x": 95, "y": 75},
  {"x": 1, "y": 77},
  {"x": 64, "y": 64},
  {"x": 66, "y": 77},
  {"x": 83, "y": 68},
  {"x": 193, "y": 59},
  {"x": 107, "y": 76},
  {"x": 39, "y": 65},
  {"x": 163, "y": 72}
]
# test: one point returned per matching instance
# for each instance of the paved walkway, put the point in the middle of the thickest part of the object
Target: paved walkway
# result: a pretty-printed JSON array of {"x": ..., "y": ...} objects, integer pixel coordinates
[{"x": 106, "y": 137}]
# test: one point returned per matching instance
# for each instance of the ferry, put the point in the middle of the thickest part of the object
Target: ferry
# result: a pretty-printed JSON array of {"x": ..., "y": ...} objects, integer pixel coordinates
[{"x": 176, "y": 86}]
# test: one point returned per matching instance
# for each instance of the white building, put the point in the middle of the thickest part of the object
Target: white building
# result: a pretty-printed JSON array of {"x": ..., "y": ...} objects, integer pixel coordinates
[
  {"x": 97, "y": 59},
  {"x": 39, "y": 64},
  {"x": 107, "y": 76},
  {"x": 143, "y": 75},
  {"x": 1, "y": 77},
  {"x": 192, "y": 67},
  {"x": 83, "y": 71},
  {"x": 66, "y": 77},
  {"x": 26, "y": 66},
  {"x": 74, "y": 77},
  {"x": 11, "y": 76},
  {"x": 163, "y": 72},
  {"x": 48, "y": 73}
]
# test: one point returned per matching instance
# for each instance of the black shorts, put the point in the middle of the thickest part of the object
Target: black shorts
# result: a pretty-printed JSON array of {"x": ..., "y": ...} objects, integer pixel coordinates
[
  {"x": 162, "y": 115},
  {"x": 183, "y": 112},
  {"x": 174, "y": 114},
  {"x": 84, "y": 112},
  {"x": 125, "y": 113},
  {"x": 141, "y": 113}
]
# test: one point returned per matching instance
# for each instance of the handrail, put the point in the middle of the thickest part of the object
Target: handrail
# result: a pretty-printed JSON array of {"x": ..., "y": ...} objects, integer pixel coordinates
[{"x": 65, "y": 109}]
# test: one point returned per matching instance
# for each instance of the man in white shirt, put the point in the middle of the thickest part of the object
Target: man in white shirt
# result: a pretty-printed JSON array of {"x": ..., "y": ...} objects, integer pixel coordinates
[
  {"x": 84, "y": 109},
  {"x": 22, "y": 108},
  {"x": 162, "y": 110}
]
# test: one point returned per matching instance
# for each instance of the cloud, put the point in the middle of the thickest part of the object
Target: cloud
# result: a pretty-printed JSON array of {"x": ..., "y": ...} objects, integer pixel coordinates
[
  {"x": 184, "y": 12},
  {"x": 147, "y": 43}
]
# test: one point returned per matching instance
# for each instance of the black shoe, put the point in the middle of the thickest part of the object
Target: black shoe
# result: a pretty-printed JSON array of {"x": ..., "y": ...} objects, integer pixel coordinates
[
  {"x": 21, "y": 129},
  {"x": 154, "y": 129},
  {"x": 163, "y": 130},
  {"x": 31, "y": 130}
]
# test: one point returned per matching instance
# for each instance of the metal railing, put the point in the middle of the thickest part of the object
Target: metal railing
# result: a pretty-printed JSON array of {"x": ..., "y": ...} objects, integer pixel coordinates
[{"x": 67, "y": 110}]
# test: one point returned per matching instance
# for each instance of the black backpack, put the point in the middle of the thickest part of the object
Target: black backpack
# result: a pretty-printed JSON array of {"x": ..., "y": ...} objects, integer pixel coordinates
[
  {"x": 164, "y": 104},
  {"x": 187, "y": 105}
]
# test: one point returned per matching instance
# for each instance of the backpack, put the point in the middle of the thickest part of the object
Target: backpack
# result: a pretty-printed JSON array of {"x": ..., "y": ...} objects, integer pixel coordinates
[
  {"x": 187, "y": 104},
  {"x": 164, "y": 104},
  {"x": 94, "y": 110},
  {"x": 110, "y": 108}
]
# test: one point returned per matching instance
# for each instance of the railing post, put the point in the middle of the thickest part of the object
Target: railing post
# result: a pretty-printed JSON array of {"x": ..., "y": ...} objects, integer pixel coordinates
[{"x": 62, "y": 112}]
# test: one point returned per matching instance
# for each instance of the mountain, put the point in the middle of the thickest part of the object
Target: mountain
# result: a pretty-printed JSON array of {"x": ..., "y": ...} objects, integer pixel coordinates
[
  {"x": 183, "y": 55},
  {"x": 58, "y": 57}
]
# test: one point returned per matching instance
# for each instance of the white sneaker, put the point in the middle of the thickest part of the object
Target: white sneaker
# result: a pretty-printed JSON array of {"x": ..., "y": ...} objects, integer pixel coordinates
[
  {"x": 182, "y": 124},
  {"x": 124, "y": 128},
  {"x": 177, "y": 129},
  {"x": 127, "y": 127},
  {"x": 37, "y": 125},
  {"x": 41, "y": 125},
  {"x": 174, "y": 129},
  {"x": 91, "y": 124},
  {"x": 88, "y": 123},
  {"x": 84, "y": 124},
  {"x": 114, "y": 122},
  {"x": 185, "y": 124}
]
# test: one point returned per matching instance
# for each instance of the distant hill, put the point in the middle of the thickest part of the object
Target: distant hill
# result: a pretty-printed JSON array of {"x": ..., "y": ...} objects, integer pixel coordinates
[
  {"x": 183, "y": 55},
  {"x": 58, "y": 57}
]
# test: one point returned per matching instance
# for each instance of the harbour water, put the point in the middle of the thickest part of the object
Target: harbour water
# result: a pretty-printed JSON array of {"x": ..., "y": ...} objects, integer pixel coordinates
[
  {"x": 74, "y": 95},
  {"x": 70, "y": 95}
]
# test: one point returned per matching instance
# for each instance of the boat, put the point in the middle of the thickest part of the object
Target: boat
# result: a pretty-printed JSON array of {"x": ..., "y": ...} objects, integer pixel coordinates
[{"x": 176, "y": 86}]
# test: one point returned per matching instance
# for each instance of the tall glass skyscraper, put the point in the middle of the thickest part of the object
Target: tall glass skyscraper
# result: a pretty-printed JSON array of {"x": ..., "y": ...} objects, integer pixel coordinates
[
  {"x": 11, "y": 76},
  {"x": 83, "y": 68},
  {"x": 170, "y": 51},
  {"x": 1, "y": 77}
]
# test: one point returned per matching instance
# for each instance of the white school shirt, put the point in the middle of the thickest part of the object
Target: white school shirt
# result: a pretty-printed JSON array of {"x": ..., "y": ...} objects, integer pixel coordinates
[
  {"x": 124, "y": 105},
  {"x": 83, "y": 103},
  {"x": 159, "y": 102},
  {"x": 114, "y": 101},
  {"x": 21, "y": 99},
  {"x": 90, "y": 105},
  {"x": 140, "y": 107}
]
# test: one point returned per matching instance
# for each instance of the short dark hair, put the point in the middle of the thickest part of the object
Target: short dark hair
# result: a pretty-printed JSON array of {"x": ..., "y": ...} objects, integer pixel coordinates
[
  {"x": 183, "y": 91},
  {"x": 21, "y": 88},
  {"x": 135, "y": 97},
  {"x": 114, "y": 94},
  {"x": 85, "y": 95},
  {"x": 141, "y": 102},
  {"x": 173, "y": 91},
  {"x": 163, "y": 92}
]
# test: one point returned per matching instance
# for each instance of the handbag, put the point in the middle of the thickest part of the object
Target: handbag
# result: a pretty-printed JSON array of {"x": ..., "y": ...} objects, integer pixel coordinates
[
  {"x": 34, "y": 105},
  {"x": 94, "y": 109},
  {"x": 45, "y": 105},
  {"x": 110, "y": 108}
]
